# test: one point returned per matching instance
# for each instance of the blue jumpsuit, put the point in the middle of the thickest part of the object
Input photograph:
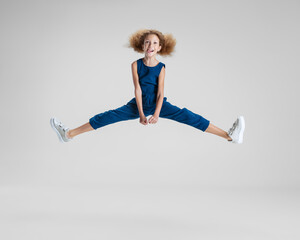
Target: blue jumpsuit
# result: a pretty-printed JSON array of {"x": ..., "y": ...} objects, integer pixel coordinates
[{"x": 148, "y": 79}]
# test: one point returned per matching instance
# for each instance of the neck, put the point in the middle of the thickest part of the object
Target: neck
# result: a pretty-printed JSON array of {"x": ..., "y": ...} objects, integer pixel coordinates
[{"x": 150, "y": 61}]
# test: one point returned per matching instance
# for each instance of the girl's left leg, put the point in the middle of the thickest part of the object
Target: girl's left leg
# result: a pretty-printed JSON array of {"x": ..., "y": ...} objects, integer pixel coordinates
[
  {"x": 217, "y": 131},
  {"x": 188, "y": 117}
]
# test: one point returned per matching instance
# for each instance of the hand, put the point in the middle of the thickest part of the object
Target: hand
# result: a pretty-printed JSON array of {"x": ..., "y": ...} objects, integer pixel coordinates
[
  {"x": 153, "y": 119},
  {"x": 143, "y": 120}
]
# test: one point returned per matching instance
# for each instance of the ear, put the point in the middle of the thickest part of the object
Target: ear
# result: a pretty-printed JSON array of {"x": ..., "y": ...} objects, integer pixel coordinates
[{"x": 159, "y": 49}]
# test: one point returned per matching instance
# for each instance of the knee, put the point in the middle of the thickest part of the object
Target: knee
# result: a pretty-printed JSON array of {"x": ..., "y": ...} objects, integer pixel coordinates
[{"x": 184, "y": 110}]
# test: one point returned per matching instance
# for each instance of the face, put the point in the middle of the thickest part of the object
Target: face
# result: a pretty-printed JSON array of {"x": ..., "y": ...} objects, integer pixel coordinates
[{"x": 151, "y": 45}]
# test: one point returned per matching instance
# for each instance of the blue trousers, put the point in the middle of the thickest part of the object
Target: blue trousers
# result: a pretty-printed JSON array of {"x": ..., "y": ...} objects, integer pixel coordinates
[{"x": 168, "y": 111}]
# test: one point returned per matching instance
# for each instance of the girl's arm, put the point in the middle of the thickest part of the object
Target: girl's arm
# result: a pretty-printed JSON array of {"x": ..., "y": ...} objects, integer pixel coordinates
[
  {"x": 137, "y": 88},
  {"x": 160, "y": 92}
]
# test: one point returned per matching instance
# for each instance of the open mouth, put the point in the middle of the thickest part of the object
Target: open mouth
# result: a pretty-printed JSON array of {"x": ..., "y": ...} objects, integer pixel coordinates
[{"x": 150, "y": 51}]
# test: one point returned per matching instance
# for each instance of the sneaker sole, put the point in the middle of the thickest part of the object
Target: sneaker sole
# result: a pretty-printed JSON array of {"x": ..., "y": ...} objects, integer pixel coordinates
[
  {"x": 241, "y": 135},
  {"x": 54, "y": 128}
]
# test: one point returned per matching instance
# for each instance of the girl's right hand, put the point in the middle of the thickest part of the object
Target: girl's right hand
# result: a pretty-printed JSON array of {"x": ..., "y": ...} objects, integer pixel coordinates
[{"x": 143, "y": 120}]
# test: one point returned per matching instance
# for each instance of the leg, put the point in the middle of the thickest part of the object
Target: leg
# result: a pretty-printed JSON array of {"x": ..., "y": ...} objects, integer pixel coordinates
[
  {"x": 217, "y": 131},
  {"x": 183, "y": 115},
  {"x": 82, "y": 129},
  {"x": 126, "y": 112},
  {"x": 186, "y": 116}
]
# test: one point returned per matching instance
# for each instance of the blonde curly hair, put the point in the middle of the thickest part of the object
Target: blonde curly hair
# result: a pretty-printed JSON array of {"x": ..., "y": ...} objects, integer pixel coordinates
[{"x": 166, "y": 41}]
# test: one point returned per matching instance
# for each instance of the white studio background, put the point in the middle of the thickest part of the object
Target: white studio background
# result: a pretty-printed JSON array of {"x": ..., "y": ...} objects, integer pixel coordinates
[{"x": 68, "y": 59}]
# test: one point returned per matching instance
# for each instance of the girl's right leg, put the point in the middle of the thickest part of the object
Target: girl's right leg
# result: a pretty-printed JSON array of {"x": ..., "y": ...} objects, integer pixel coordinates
[
  {"x": 82, "y": 129},
  {"x": 126, "y": 112}
]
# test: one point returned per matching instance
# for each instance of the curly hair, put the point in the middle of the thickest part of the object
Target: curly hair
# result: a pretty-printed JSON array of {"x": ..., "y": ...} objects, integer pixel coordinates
[{"x": 166, "y": 41}]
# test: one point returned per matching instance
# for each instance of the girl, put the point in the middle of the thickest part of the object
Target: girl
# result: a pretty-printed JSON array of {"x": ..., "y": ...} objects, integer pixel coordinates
[{"x": 148, "y": 78}]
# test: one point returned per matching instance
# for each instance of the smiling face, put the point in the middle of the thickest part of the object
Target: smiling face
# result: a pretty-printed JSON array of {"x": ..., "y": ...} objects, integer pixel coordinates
[{"x": 151, "y": 45}]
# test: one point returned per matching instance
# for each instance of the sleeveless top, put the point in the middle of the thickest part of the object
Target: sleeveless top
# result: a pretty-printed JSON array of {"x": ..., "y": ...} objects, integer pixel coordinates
[{"x": 148, "y": 79}]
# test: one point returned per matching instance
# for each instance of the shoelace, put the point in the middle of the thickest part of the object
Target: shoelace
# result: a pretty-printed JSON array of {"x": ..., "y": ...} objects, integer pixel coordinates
[
  {"x": 62, "y": 126},
  {"x": 233, "y": 127}
]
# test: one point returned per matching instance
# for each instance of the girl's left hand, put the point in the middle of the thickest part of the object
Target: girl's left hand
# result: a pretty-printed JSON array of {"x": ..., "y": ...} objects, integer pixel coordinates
[{"x": 153, "y": 119}]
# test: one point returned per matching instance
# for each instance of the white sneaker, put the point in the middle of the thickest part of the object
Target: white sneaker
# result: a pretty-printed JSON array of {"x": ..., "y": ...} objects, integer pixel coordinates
[
  {"x": 60, "y": 129},
  {"x": 237, "y": 131}
]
